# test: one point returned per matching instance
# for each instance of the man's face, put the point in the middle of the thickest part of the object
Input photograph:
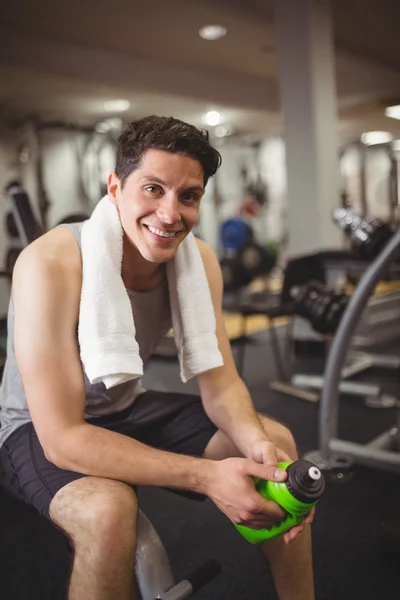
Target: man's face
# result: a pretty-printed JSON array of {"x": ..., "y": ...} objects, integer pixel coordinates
[{"x": 159, "y": 203}]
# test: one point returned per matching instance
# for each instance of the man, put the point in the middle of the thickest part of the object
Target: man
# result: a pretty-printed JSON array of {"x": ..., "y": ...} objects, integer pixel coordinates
[{"x": 76, "y": 449}]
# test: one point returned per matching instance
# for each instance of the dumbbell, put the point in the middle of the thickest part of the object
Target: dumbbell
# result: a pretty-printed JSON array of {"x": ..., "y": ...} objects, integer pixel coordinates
[
  {"x": 368, "y": 236},
  {"x": 322, "y": 307}
]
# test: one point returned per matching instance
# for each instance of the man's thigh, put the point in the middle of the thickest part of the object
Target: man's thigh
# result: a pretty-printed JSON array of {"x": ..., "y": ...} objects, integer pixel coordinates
[
  {"x": 28, "y": 474},
  {"x": 168, "y": 421},
  {"x": 220, "y": 446}
]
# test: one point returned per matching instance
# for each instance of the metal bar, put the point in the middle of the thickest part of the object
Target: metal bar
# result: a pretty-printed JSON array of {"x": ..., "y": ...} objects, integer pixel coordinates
[
  {"x": 287, "y": 388},
  {"x": 357, "y": 364},
  {"x": 276, "y": 348},
  {"x": 367, "y": 455},
  {"x": 242, "y": 341},
  {"x": 385, "y": 440},
  {"x": 355, "y": 388},
  {"x": 181, "y": 590},
  {"x": 390, "y": 361}
]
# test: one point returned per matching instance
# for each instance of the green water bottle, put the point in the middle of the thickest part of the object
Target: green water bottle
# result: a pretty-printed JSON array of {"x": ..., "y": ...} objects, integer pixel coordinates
[{"x": 297, "y": 495}]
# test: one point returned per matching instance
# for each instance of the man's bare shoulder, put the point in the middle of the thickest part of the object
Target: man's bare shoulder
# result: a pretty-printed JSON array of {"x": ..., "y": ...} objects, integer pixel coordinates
[
  {"x": 211, "y": 266},
  {"x": 55, "y": 254},
  {"x": 207, "y": 253}
]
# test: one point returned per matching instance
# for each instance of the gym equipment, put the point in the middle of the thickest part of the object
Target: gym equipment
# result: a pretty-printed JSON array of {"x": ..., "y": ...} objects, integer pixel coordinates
[
  {"x": 301, "y": 491},
  {"x": 368, "y": 236},
  {"x": 275, "y": 307},
  {"x": 322, "y": 307},
  {"x": 26, "y": 224},
  {"x": 11, "y": 259},
  {"x": 11, "y": 226},
  {"x": 234, "y": 234},
  {"x": 153, "y": 570},
  {"x": 74, "y": 218},
  {"x": 384, "y": 451},
  {"x": 21, "y": 221},
  {"x": 242, "y": 267},
  {"x": 314, "y": 301},
  {"x": 234, "y": 273}
]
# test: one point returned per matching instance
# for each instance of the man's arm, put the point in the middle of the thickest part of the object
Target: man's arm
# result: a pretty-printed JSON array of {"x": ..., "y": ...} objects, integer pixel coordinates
[
  {"x": 46, "y": 293},
  {"x": 225, "y": 396}
]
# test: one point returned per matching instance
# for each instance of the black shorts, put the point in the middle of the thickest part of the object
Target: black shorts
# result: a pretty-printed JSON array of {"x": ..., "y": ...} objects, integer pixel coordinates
[{"x": 168, "y": 421}]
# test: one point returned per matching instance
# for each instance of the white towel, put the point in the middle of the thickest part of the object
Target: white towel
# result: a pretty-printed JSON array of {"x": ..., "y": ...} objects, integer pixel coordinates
[{"x": 106, "y": 332}]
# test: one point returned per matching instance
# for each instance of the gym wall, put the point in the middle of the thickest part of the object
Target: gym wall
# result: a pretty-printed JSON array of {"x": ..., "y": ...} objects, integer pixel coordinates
[
  {"x": 266, "y": 161},
  {"x": 70, "y": 182}
]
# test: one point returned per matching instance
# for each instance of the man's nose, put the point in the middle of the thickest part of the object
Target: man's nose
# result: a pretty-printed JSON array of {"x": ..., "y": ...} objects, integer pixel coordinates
[{"x": 168, "y": 209}]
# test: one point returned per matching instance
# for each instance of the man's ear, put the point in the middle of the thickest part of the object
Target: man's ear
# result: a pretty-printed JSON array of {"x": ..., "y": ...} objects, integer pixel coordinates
[{"x": 113, "y": 187}]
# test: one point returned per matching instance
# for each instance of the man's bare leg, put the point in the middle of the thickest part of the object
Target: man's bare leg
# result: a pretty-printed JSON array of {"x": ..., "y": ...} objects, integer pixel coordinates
[
  {"x": 291, "y": 564},
  {"x": 99, "y": 517}
]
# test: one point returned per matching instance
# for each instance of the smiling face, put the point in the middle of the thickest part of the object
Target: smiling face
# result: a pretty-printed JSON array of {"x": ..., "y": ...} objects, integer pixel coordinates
[{"x": 159, "y": 202}]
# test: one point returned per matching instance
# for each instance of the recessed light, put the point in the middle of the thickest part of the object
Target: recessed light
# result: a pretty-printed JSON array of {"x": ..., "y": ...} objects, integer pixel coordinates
[
  {"x": 212, "y": 32},
  {"x": 393, "y": 111},
  {"x": 212, "y": 118},
  {"x": 117, "y": 105},
  {"x": 372, "y": 138}
]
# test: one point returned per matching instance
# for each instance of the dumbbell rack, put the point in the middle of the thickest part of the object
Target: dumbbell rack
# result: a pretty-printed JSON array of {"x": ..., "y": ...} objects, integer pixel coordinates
[{"x": 379, "y": 323}]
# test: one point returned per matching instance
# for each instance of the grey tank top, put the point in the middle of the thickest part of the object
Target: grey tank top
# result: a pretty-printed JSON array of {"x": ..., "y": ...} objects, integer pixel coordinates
[{"x": 152, "y": 318}]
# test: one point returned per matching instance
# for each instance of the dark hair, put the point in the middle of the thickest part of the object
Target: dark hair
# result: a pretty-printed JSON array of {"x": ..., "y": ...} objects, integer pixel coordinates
[{"x": 168, "y": 134}]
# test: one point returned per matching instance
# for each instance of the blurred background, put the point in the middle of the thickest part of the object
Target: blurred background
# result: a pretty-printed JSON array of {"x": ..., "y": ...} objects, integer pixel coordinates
[{"x": 309, "y": 79}]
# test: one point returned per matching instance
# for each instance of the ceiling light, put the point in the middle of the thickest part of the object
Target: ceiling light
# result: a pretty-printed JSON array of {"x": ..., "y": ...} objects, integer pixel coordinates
[
  {"x": 117, "y": 105},
  {"x": 212, "y": 32},
  {"x": 372, "y": 138},
  {"x": 393, "y": 111},
  {"x": 212, "y": 118}
]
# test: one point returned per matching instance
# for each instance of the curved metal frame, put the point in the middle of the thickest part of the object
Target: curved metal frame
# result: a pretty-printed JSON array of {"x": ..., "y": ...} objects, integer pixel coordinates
[
  {"x": 376, "y": 453},
  {"x": 153, "y": 570}
]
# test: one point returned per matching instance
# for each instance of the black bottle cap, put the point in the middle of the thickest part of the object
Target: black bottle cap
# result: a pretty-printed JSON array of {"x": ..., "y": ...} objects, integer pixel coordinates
[{"x": 305, "y": 481}]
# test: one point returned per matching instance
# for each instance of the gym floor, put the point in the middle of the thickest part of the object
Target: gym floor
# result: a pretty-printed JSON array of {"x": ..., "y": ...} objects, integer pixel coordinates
[{"x": 349, "y": 563}]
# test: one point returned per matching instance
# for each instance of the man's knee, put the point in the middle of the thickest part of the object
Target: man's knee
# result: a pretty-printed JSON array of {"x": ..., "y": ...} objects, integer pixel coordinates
[
  {"x": 280, "y": 435},
  {"x": 97, "y": 509}
]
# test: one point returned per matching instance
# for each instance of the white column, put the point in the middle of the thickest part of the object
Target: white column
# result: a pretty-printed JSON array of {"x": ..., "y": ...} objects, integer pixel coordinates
[{"x": 306, "y": 75}]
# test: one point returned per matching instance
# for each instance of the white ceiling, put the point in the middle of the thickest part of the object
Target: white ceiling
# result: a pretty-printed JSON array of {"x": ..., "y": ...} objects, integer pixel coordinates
[{"x": 61, "y": 60}]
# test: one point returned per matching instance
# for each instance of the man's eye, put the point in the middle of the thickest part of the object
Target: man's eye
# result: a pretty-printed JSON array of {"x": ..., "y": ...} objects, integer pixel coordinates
[
  {"x": 189, "y": 198},
  {"x": 152, "y": 188}
]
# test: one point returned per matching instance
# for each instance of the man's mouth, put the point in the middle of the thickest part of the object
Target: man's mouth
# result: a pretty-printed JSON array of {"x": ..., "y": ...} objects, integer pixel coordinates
[{"x": 161, "y": 233}]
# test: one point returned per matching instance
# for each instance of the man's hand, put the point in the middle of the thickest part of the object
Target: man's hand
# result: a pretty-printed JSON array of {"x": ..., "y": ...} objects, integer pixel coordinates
[
  {"x": 266, "y": 453},
  {"x": 231, "y": 486}
]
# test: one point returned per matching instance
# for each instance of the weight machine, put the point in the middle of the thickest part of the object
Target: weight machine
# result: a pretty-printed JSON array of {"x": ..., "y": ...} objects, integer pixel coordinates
[
  {"x": 306, "y": 293},
  {"x": 383, "y": 451}
]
